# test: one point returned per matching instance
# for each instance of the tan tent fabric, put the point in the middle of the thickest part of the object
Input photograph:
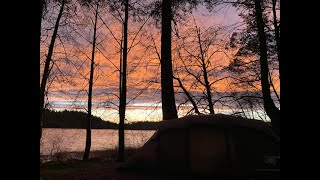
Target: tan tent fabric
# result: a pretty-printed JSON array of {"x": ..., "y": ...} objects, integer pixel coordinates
[{"x": 208, "y": 144}]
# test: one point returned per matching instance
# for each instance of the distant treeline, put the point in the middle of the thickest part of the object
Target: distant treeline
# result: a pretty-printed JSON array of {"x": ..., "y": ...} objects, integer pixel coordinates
[{"x": 77, "y": 119}]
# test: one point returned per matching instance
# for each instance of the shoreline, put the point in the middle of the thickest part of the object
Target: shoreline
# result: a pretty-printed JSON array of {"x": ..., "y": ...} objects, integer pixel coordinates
[
  {"x": 141, "y": 129},
  {"x": 110, "y": 154}
]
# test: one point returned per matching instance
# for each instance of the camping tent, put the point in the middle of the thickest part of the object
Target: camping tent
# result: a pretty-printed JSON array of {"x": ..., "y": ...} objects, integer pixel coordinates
[{"x": 209, "y": 144}]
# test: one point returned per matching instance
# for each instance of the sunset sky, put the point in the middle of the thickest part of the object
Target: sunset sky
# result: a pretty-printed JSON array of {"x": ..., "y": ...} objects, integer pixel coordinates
[{"x": 72, "y": 54}]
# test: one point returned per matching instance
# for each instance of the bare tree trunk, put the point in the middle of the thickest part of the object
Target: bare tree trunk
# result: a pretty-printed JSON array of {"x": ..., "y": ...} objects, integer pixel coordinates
[
  {"x": 276, "y": 31},
  {"x": 188, "y": 96},
  {"x": 46, "y": 70},
  {"x": 88, "y": 128},
  {"x": 205, "y": 74},
  {"x": 169, "y": 110},
  {"x": 272, "y": 111},
  {"x": 123, "y": 89},
  {"x": 274, "y": 89}
]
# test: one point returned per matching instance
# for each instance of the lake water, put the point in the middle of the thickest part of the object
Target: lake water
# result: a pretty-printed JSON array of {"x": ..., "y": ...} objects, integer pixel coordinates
[{"x": 70, "y": 140}]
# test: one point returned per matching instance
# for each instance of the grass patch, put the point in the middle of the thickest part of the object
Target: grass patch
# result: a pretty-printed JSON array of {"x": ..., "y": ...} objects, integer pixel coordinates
[{"x": 101, "y": 163}]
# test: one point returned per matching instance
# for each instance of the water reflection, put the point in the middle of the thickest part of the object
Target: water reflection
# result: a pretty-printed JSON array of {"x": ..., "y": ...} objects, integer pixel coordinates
[{"x": 69, "y": 140}]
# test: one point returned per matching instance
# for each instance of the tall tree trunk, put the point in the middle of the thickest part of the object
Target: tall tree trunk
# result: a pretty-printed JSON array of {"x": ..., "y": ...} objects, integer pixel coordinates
[
  {"x": 276, "y": 31},
  {"x": 272, "y": 111},
  {"x": 169, "y": 110},
  {"x": 46, "y": 70},
  {"x": 42, "y": 3},
  {"x": 88, "y": 128},
  {"x": 188, "y": 96},
  {"x": 123, "y": 88},
  {"x": 205, "y": 75}
]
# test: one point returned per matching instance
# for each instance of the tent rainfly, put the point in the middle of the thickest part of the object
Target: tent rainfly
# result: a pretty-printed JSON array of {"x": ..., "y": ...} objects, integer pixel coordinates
[{"x": 211, "y": 145}]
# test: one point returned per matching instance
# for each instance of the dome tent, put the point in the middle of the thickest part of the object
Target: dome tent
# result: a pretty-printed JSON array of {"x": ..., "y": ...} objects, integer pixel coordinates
[{"x": 209, "y": 145}]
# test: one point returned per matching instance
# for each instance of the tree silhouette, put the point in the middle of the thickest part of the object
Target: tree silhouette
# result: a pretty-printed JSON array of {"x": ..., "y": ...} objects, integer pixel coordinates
[
  {"x": 123, "y": 83},
  {"x": 272, "y": 111},
  {"x": 46, "y": 70},
  {"x": 88, "y": 128},
  {"x": 169, "y": 10},
  {"x": 276, "y": 30},
  {"x": 200, "y": 51},
  {"x": 259, "y": 40},
  {"x": 169, "y": 110}
]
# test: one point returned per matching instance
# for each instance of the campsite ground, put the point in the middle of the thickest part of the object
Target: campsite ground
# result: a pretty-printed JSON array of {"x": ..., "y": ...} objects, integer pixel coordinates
[
  {"x": 98, "y": 169},
  {"x": 103, "y": 166},
  {"x": 65, "y": 166}
]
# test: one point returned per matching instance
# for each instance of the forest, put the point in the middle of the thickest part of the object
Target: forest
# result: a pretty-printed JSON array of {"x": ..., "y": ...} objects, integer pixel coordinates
[
  {"x": 77, "y": 119},
  {"x": 117, "y": 54}
]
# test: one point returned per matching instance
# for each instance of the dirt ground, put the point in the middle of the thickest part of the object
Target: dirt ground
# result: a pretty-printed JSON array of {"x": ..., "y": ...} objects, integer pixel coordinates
[
  {"x": 97, "y": 170},
  {"x": 103, "y": 166},
  {"x": 108, "y": 170},
  {"x": 101, "y": 169}
]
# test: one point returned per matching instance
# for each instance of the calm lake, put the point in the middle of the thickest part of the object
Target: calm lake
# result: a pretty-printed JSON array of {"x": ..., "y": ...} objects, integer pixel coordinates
[{"x": 70, "y": 140}]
